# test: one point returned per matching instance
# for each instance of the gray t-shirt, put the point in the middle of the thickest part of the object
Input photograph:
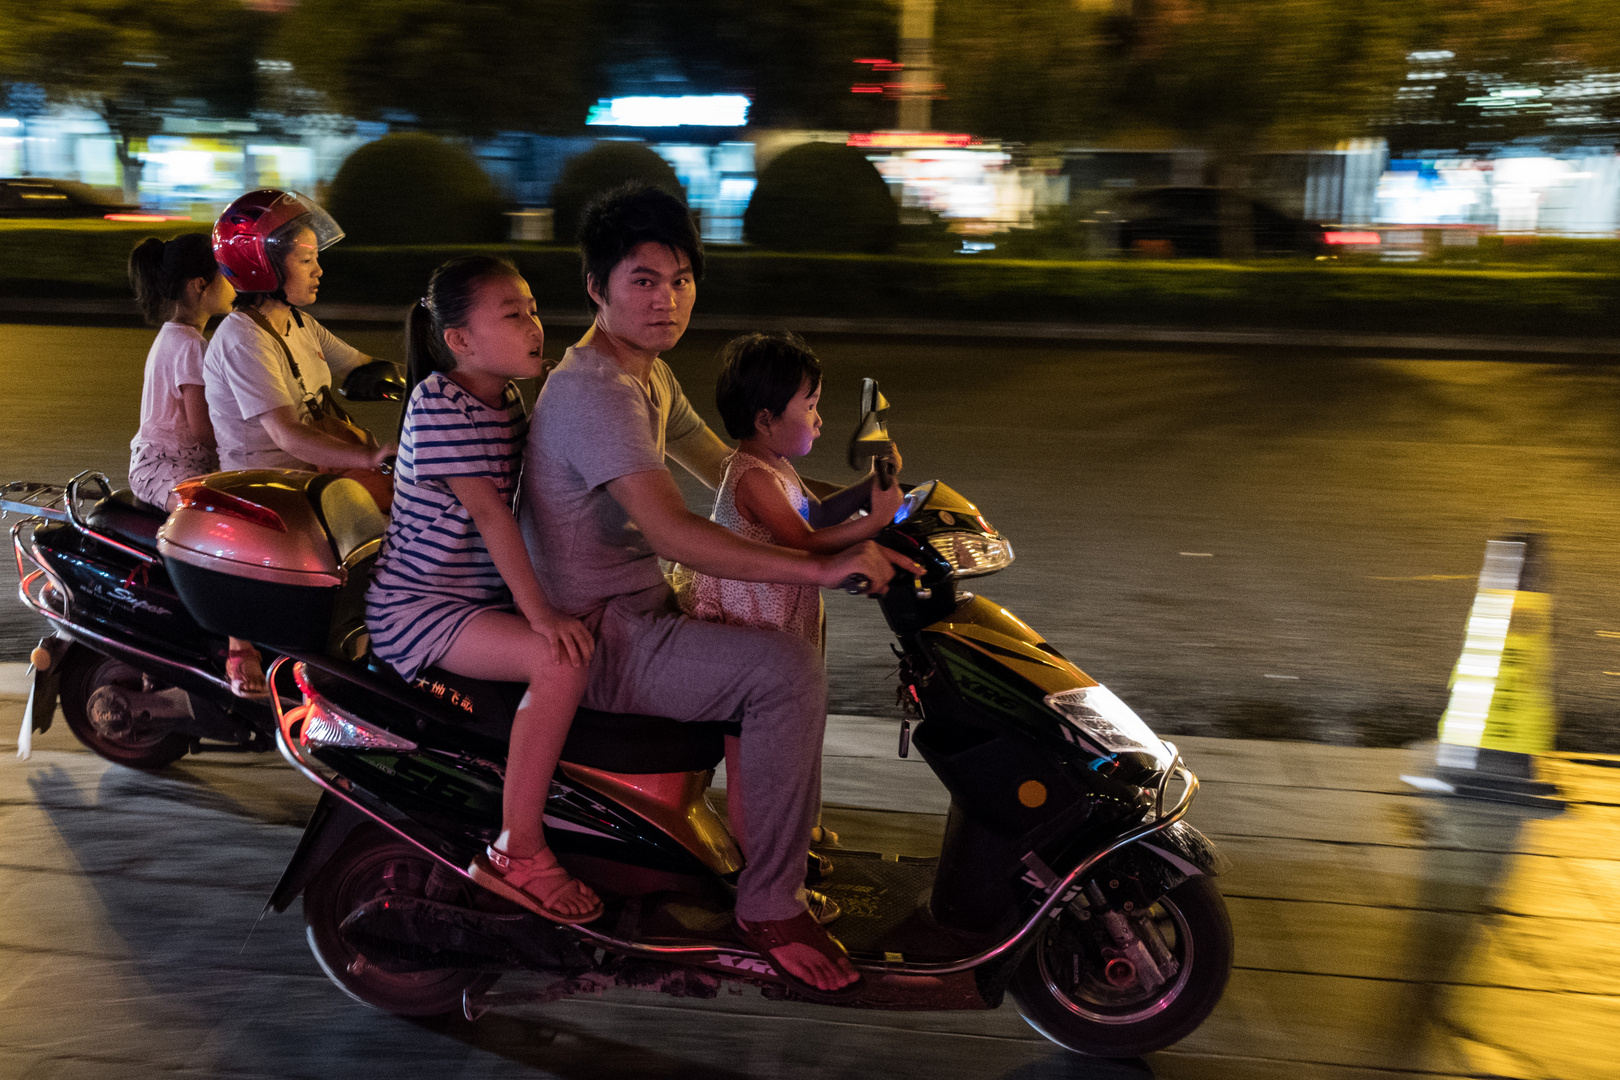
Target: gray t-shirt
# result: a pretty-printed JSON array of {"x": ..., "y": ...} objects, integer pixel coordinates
[{"x": 594, "y": 423}]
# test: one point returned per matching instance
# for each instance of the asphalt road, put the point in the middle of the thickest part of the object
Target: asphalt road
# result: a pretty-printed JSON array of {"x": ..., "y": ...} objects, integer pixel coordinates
[{"x": 1243, "y": 543}]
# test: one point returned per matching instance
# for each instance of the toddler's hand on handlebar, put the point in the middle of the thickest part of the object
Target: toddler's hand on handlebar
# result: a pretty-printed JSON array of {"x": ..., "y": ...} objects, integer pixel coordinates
[
  {"x": 886, "y": 500},
  {"x": 383, "y": 453},
  {"x": 571, "y": 642},
  {"x": 877, "y": 564}
]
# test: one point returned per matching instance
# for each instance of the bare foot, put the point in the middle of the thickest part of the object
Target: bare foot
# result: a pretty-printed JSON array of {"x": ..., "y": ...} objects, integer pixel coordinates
[{"x": 803, "y": 962}]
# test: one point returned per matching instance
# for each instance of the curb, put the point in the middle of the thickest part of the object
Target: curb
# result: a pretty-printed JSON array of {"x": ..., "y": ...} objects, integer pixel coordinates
[
  {"x": 14, "y": 680},
  {"x": 1100, "y": 334}
]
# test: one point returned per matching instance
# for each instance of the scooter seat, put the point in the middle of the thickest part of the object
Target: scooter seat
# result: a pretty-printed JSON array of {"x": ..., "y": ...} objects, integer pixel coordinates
[
  {"x": 124, "y": 517},
  {"x": 613, "y": 742}
]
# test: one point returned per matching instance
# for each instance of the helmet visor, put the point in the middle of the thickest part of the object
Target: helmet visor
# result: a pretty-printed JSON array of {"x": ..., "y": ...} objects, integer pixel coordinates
[{"x": 306, "y": 213}]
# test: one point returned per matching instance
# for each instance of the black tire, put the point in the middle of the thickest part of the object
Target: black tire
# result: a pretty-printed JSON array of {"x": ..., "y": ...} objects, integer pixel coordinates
[
  {"x": 83, "y": 673},
  {"x": 1074, "y": 1006},
  {"x": 373, "y": 863}
]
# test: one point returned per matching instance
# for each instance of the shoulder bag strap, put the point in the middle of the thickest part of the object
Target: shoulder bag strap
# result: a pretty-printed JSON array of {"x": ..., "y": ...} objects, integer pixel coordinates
[{"x": 264, "y": 324}]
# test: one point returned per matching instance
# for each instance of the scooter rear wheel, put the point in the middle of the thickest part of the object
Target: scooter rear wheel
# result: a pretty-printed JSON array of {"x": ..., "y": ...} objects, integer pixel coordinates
[
  {"x": 372, "y": 863},
  {"x": 1064, "y": 991},
  {"x": 91, "y": 688}
]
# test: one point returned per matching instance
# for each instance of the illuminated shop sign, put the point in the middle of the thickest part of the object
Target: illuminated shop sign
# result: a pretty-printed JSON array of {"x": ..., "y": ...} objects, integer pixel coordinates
[
  {"x": 911, "y": 140},
  {"x": 690, "y": 110}
]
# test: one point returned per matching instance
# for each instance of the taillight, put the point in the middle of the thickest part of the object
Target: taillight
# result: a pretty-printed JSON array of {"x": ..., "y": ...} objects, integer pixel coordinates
[
  {"x": 195, "y": 494},
  {"x": 327, "y": 725}
]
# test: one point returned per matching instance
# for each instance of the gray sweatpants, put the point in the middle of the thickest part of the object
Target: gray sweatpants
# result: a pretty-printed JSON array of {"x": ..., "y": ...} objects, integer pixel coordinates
[{"x": 652, "y": 659}]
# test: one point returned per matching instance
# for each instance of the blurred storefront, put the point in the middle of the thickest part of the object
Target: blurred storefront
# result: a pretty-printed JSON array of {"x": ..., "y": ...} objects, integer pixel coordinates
[
  {"x": 1573, "y": 194},
  {"x": 979, "y": 187}
]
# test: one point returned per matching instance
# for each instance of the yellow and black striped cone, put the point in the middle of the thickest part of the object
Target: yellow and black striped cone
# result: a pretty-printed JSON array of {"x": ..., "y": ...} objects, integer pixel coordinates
[{"x": 1501, "y": 712}]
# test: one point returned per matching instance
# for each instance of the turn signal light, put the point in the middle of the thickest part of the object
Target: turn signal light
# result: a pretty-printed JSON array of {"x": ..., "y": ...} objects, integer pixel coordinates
[
  {"x": 199, "y": 496},
  {"x": 327, "y": 725}
]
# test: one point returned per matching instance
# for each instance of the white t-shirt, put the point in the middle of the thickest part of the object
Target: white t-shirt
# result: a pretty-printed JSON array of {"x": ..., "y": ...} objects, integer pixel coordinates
[
  {"x": 175, "y": 360},
  {"x": 245, "y": 375}
]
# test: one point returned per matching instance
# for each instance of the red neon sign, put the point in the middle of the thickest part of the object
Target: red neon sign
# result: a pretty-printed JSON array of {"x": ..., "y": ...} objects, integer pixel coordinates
[{"x": 1350, "y": 238}]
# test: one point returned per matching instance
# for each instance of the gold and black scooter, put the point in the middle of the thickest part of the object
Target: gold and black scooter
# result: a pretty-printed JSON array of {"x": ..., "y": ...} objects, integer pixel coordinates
[{"x": 1066, "y": 875}]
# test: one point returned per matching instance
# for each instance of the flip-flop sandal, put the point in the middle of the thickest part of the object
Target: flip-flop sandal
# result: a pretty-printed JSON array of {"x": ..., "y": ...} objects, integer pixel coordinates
[
  {"x": 823, "y": 908},
  {"x": 516, "y": 879},
  {"x": 822, "y": 835},
  {"x": 235, "y": 661},
  {"x": 802, "y": 929},
  {"x": 817, "y": 868}
]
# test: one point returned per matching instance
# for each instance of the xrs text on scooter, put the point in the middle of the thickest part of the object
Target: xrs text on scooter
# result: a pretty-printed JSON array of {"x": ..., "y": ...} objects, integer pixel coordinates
[{"x": 1067, "y": 875}]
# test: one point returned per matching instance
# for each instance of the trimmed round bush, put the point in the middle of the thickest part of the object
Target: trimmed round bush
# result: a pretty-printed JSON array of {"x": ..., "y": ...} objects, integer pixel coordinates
[
  {"x": 822, "y": 197},
  {"x": 605, "y": 165},
  {"x": 415, "y": 189}
]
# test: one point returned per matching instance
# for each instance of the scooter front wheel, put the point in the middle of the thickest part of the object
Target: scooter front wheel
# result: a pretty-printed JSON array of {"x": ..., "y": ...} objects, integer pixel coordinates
[
  {"x": 1075, "y": 988},
  {"x": 369, "y": 865}
]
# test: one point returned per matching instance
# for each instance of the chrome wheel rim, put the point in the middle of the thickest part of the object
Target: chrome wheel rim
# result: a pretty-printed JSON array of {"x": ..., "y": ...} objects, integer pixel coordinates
[{"x": 1072, "y": 969}]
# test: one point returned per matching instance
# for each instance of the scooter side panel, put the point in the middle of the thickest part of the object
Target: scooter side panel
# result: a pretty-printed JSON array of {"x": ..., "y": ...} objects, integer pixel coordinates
[{"x": 120, "y": 593}]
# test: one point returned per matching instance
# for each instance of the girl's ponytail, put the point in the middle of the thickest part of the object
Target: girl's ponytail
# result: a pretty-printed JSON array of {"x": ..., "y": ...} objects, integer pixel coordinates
[
  {"x": 421, "y": 359},
  {"x": 451, "y": 293},
  {"x": 158, "y": 271},
  {"x": 145, "y": 277}
]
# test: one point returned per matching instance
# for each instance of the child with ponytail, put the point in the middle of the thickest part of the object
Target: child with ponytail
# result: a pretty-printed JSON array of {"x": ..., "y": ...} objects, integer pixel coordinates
[
  {"x": 178, "y": 288},
  {"x": 454, "y": 567}
]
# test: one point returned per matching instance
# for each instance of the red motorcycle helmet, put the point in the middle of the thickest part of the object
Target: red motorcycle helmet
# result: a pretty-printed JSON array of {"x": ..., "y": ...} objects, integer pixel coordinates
[{"x": 251, "y": 228}]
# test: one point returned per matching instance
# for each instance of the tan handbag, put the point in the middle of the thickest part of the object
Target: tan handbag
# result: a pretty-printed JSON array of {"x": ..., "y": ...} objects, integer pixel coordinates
[
  {"x": 326, "y": 415},
  {"x": 330, "y": 418}
]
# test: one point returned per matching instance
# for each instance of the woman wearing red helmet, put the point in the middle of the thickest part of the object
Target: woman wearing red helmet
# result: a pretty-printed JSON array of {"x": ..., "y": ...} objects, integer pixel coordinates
[{"x": 270, "y": 365}]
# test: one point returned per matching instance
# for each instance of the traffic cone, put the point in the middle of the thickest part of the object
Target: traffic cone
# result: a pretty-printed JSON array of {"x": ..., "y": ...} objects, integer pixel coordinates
[{"x": 1501, "y": 711}]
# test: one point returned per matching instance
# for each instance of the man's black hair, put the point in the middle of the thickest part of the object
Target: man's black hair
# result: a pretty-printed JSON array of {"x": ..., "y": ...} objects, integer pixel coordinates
[
  {"x": 761, "y": 371},
  {"x": 620, "y": 218}
]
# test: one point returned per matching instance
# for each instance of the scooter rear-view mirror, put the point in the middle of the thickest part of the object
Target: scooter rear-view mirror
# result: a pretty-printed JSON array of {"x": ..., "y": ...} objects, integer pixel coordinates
[{"x": 871, "y": 438}]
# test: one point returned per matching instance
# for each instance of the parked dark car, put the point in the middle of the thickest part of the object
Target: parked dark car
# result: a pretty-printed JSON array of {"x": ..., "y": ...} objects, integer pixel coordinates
[
  {"x": 31, "y": 197},
  {"x": 1187, "y": 221}
]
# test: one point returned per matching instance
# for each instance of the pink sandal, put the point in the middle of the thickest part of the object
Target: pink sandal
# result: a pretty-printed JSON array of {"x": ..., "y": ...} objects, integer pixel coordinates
[
  {"x": 529, "y": 884},
  {"x": 237, "y": 662}
]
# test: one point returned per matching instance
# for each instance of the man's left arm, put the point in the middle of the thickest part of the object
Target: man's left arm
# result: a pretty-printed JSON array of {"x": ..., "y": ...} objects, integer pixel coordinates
[{"x": 701, "y": 453}]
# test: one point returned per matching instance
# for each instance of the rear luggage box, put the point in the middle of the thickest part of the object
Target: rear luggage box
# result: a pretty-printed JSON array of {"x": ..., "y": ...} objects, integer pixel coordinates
[{"x": 250, "y": 555}]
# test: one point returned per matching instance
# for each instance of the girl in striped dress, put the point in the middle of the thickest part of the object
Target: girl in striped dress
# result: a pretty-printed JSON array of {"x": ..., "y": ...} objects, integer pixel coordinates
[{"x": 453, "y": 566}]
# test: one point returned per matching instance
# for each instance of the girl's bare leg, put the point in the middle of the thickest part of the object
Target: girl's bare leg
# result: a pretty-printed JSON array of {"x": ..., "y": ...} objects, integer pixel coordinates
[{"x": 498, "y": 645}]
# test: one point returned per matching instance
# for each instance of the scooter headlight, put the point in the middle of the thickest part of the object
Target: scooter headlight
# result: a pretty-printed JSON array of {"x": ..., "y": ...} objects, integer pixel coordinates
[
  {"x": 1105, "y": 720},
  {"x": 972, "y": 554}
]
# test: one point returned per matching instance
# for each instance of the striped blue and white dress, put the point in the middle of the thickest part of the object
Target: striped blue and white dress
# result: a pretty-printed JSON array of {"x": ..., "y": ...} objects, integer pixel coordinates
[{"x": 434, "y": 573}]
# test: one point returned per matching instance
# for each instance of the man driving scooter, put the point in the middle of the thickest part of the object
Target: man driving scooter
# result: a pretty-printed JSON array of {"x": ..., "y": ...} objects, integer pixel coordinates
[{"x": 599, "y": 507}]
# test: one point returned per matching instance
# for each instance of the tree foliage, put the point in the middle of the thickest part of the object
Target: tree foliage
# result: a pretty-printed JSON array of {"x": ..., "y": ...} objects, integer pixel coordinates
[
  {"x": 1017, "y": 71},
  {"x": 1255, "y": 75},
  {"x": 794, "y": 58},
  {"x": 606, "y": 165},
  {"x": 465, "y": 67},
  {"x": 132, "y": 60},
  {"x": 1488, "y": 72},
  {"x": 822, "y": 197},
  {"x": 412, "y": 188}
]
